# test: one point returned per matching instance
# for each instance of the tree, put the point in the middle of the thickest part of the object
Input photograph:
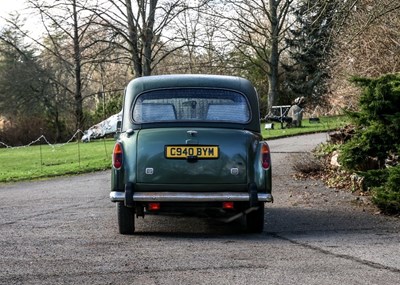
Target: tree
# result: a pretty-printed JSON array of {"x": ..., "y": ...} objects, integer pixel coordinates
[
  {"x": 257, "y": 29},
  {"x": 366, "y": 43},
  {"x": 140, "y": 27},
  {"x": 18, "y": 75},
  {"x": 70, "y": 38},
  {"x": 26, "y": 90},
  {"x": 309, "y": 41},
  {"x": 195, "y": 40}
]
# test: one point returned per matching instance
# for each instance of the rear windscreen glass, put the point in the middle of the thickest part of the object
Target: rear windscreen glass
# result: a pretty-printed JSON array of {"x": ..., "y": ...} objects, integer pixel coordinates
[{"x": 191, "y": 105}]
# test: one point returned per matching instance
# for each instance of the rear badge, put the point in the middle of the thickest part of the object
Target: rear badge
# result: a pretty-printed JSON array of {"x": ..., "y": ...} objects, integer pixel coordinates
[
  {"x": 149, "y": 171},
  {"x": 235, "y": 171}
]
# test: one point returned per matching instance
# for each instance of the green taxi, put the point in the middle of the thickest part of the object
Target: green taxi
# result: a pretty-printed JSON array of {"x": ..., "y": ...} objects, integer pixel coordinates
[{"x": 191, "y": 144}]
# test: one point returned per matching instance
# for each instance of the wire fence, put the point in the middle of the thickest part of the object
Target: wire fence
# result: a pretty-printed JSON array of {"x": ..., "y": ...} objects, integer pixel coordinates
[
  {"x": 42, "y": 137},
  {"x": 40, "y": 158}
]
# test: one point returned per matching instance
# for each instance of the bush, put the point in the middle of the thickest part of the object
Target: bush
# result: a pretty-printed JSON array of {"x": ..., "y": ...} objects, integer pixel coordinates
[
  {"x": 24, "y": 130},
  {"x": 306, "y": 164},
  {"x": 387, "y": 197},
  {"x": 374, "y": 178},
  {"x": 377, "y": 140},
  {"x": 377, "y": 124}
]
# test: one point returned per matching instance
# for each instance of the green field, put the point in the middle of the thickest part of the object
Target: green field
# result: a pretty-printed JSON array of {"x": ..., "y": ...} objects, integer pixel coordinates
[
  {"x": 325, "y": 124},
  {"x": 42, "y": 161}
]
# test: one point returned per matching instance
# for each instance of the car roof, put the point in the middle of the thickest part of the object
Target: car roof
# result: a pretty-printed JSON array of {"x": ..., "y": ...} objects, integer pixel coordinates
[{"x": 189, "y": 80}]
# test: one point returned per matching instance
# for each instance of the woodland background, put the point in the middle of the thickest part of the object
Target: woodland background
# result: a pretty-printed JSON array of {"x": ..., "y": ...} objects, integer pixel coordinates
[{"x": 68, "y": 70}]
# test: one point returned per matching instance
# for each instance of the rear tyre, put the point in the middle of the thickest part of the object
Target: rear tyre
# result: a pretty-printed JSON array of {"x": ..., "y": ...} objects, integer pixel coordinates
[
  {"x": 126, "y": 219},
  {"x": 255, "y": 220}
]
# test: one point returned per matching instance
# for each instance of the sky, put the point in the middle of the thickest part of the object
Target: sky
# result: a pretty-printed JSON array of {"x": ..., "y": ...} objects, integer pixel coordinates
[{"x": 7, "y": 6}]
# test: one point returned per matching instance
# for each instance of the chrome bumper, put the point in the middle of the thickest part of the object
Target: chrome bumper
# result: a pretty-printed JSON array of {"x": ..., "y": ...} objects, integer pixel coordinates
[{"x": 189, "y": 197}]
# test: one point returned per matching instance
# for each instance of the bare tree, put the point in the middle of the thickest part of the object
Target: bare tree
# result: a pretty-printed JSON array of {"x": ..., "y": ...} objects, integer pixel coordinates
[
  {"x": 141, "y": 27},
  {"x": 70, "y": 39},
  {"x": 257, "y": 29},
  {"x": 367, "y": 44},
  {"x": 197, "y": 32},
  {"x": 188, "y": 31}
]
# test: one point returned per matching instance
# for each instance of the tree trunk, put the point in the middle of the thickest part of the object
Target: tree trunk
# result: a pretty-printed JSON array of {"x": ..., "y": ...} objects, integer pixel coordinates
[
  {"x": 133, "y": 41},
  {"x": 148, "y": 37},
  {"x": 273, "y": 75},
  {"x": 78, "y": 82}
]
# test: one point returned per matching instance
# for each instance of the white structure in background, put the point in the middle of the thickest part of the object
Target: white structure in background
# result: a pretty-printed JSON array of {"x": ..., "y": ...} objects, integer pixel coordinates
[{"x": 106, "y": 127}]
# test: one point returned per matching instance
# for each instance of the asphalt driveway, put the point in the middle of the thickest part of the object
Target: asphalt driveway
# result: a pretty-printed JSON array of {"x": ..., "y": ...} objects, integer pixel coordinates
[{"x": 64, "y": 231}]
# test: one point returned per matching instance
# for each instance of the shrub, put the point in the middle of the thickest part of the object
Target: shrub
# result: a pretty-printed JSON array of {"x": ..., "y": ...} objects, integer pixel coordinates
[
  {"x": 24, "y": 130},
  {"x": 306, "y": 163},
  {"x": 387, "y": 197},
  {"x": 325, "y": 149},
  {"x": 376, "y": 140},
  {"x": 377, "y": 124},
  {"x": 374, "y": 178}
]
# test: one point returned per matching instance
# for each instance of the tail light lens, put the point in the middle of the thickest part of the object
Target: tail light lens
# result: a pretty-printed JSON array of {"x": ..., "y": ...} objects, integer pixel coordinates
[
  {"x": 117, "y": 156},
  {"x": 228, "y": 205},
  {"x": 265, "y": 156},
  {"x": 154, "y": 206}
]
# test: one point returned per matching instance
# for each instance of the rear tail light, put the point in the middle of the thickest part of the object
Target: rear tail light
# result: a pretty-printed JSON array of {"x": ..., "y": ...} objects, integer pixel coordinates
[
  {"x": 154, "y": 206},
  {"x": 265, "y": 156},
  {"x": 227, "y": 205},
  {"x": 117, "y": 156}
]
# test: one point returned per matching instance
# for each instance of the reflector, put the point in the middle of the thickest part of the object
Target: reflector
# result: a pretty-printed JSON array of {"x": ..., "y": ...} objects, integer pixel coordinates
[
  {"x": 154, "y": 206},
  {"x": 227, "y": 205}
]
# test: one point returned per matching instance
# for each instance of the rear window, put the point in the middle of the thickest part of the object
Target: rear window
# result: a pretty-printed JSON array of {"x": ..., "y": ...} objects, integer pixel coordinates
[{"x": 191, "y": 105}]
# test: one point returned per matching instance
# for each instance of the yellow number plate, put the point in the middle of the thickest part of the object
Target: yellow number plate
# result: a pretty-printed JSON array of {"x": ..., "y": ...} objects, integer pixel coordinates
[{"x": 179, "y": 151}]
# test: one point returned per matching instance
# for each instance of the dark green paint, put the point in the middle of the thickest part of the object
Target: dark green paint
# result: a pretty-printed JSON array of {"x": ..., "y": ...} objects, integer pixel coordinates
[{"x": 239, "y": 144}]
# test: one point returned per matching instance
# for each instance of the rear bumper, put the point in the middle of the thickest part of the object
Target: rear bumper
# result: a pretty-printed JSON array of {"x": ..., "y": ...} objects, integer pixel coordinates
[{"x": 189, "y": 197}]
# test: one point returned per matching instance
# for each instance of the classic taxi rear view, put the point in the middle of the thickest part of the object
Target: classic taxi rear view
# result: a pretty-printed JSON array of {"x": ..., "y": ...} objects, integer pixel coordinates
[{"x": 191, "y": 144}]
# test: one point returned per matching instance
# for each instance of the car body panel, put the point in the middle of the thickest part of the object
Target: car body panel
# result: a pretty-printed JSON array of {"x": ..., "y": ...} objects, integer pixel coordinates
[{"x": 228, "y": 168}]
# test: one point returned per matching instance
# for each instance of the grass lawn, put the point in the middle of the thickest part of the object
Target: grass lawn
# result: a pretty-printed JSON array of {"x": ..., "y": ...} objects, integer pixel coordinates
[
  {"x": 41, "y": 161},
  {"x": 325, "y": 124}
]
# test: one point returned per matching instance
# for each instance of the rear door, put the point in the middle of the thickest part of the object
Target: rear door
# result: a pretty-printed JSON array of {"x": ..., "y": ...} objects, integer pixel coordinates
[{"x": 193, "y": 156}]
